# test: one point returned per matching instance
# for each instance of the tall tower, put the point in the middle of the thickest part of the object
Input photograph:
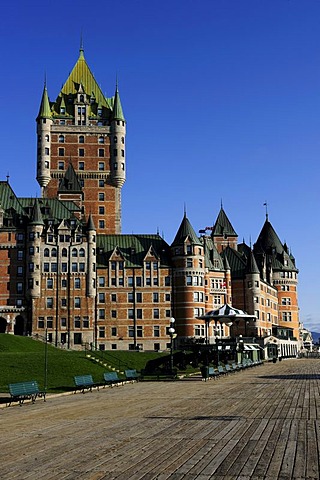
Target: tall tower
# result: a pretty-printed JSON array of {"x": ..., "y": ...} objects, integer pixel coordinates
[{"x": 84, "y": 128}]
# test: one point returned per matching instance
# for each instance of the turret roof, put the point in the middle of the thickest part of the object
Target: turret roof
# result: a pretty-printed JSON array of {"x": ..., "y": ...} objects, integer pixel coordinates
[
  {"x": 70, "y": 182},
  {"x": 90, "y": 224},
  {"x": 186, "y": 231},
  {"x": 45, "y": 111},
  {"x": 223, "y": 226},
  {"x": 117, "y": 108},
  {"x": 36, "y": 216}
]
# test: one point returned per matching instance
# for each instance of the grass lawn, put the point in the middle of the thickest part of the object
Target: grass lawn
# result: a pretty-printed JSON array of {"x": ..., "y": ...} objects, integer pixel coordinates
[{"x": 22, "y": 359}]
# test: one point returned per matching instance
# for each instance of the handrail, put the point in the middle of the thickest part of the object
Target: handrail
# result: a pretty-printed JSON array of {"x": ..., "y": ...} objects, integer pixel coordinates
[{"x": 106, "y": 356}]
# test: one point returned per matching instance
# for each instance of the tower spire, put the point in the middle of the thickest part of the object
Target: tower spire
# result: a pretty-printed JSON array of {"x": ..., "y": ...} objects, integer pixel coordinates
[{"x": 266, "y": 205}]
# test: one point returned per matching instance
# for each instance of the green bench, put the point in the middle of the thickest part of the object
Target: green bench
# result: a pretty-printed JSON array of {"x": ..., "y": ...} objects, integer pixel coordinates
[
  {"x": 159, "y": 373},
  {"x": 84, "y": 382},
  {"x": 111, "y": 378},
  {"x": 132, "y": 375},
  {"x": 22, "y": 391}
]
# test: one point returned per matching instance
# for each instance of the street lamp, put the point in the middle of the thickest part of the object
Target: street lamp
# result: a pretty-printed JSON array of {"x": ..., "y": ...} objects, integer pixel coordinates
[{"x": 171, "y": 333}]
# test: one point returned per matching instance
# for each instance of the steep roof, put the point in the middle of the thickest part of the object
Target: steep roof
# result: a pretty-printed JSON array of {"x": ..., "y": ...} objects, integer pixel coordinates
[
  {"x": 186, "y": 231},
  {"x": 223, "y": 226},
  {"x": 133, "y": 248},
  {"x": 70, "y": 182},
  {"x": 82, "y": 75},
  {"x": 269, "y": 245},
  {"x": 237, "y": 262},
  {"x": 117, "y": 113},
  {"x": 45, "y": 110},
  {"x": 36, "y": 216}
]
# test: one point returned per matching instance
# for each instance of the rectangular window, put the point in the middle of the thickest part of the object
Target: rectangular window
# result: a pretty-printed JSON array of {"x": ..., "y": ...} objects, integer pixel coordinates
[
  {"x": 102, "y": 314},
  {"x": 130, "y": 297},
  {"x": 130, "y": 281},
  {"x": 101, "y": 166},
  {"x": 139, "y": 313},
  {"x": 102, "y": 281},
  {"x": 155, "y": 297},
  {"x": 77, "y": 283},
  {"x": 139, "y": 331},
  {"x": 113, "y": 331},
  {"x": 189, "y": 280},
  {"x": 156, "y": 313},
  {"x": 138, "y": 281},
  {"x": 167, "y": 281},
  {"x": 61, "y": 152},
  {"x": 19, "y": 287},
  {"x": 101, "y": 152},
  {"x": 85, "y": 322},
  {"x": 77, "y": 302},
  {"x": 189, "y": 262},
  {"x": 81, "y": 165},
  {"x": 20, "y": 255},
  {"x": 63, "y": 302},
  {"x": 131, "y": 331},
  {"x": 113, "y": 313},
  {"x": 77, "y": 322},
  {"x": 286, "y": 316},
  {"x": 101, "y": 196},
  {"x": 49, "y": 302},
  {"x": 156, "y": 331},
  {"x": 81, "y": 152},
  {"x": 139, "y": 297},
  {"x": 113, "y": 297},
  {"x": 102, "y": 297},
  {"x": 102, "y": 332},
  {"x": 41, "y": 322},
  {"x": 101, "y": 210},
  {"x": 50, "y": 283},
  {"x": 60, "y": 165},
  {"x": 130, "y": 313},
  {"x": 101, "y": 183}
]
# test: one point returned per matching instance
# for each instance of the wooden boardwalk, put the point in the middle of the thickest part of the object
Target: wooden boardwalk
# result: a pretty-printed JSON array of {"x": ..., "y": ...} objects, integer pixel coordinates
[{"x": 262, "y": 423}]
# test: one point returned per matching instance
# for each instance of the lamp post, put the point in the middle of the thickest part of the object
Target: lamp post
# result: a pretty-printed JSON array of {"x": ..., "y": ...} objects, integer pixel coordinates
[{"x": 171, "y": 333}]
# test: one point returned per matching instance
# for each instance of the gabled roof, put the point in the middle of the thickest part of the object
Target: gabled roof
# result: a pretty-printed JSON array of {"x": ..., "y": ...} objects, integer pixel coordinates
[
  {"x": 223, "y": 226},
  {"x": 185, "y": 232},
  {"x": 70, "y": 182},
  {"x": 133, "y": 248},
  {"x": 8, "y": 199},
  {"x": 252, "y": 266}
]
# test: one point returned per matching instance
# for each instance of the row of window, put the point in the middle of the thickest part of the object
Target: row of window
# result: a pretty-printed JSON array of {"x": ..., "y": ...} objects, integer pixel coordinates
[
  {"x": 134, "y": 313},
  {"x": 75, "y": 252},
  {"x": 77, "y": 322},
  {"x": 138, "y": 297},
  {"x": 81, "y": 153},
  {"x": 75, "y": 267},
  {"x": 81, "y": 139},
  {"x": 131, "y": 331}
]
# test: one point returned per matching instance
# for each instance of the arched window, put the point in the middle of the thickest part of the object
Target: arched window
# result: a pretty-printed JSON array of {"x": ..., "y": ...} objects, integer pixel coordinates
[
  {"x": 81, "y": 252},
  {"x": 101, "y": 139},
  {"x": 64, "y": 252},
  {"x": 81, "y": 139},
  {"x": 61, "y": 138},
  {"x": 74, "y": 252},
  {"x": 46, "y": 252},
  {"x": 47, "y": 138},
  {"x": 54, "y": 252}
]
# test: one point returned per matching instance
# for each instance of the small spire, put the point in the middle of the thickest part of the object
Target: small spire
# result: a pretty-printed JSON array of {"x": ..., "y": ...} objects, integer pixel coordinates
[
  {"x": 221, "y": 203},
  {"x": 184, "y": 209}
]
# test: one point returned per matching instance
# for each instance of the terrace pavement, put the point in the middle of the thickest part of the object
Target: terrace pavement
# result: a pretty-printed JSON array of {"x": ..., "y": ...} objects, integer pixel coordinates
[{"x": 261, "y": 423}]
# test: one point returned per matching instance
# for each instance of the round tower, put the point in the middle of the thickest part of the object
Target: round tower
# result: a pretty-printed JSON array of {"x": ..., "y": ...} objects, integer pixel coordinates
[
  {"x": 44, "y": 122},
  {"x": 117, "y": 143},
  {"x": 35, "y": 229}
]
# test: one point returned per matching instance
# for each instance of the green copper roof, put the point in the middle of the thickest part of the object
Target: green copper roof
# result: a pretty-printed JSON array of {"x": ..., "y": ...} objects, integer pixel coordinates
[
  {"x": 90, "y": 223},
  {"x": 252, "y": 266},
  {"x": 82, "y": 75},
  {"x": 223, "y": 226},
  {"x": 45, "y": 111},
  {"x": 236, "y": 262},
  {"x": 8, "y": 200},
  {"x": 186, "y": 231},
  {"x": 117, "y": 108},
  {"x": 133, "y": 249}
]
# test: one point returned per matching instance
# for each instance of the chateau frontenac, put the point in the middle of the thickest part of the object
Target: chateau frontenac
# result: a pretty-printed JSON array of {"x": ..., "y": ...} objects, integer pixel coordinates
[{"x": 68, "y": 274}]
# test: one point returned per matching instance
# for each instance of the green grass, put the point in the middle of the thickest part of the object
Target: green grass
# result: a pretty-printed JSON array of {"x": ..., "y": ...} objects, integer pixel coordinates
[{"x": 22, "y": 359}]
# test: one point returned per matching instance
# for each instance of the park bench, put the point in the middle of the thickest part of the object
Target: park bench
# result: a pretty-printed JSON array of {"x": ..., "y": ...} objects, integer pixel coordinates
[
  {"x": 84, "y": 382},
  {"x": 228, "y": 368},
  {"x": 159, "y": 373},
  {"x": 25, "y": 391},
  {"x": 111, "y": 378},
  {"x": 132, "y": 375},
  {"x": 222, "y": 370}
]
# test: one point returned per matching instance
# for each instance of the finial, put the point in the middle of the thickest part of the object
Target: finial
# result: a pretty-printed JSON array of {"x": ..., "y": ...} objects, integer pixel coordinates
[
  {"x": 184, "y": 209},
  {"x": 8, "y": 176},
  {"x": 221, "y": 203},
  {"x": 81, "y": 45},
  {"x": 266, "y": 205}
]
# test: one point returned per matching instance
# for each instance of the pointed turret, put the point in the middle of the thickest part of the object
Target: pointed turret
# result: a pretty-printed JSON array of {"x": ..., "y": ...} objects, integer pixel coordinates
[
  {"x": 36, "y": 216},
  {"x": 223, "y": 233},
  {"x": 252, "y": 266},
  {"x": 44, "y": 122},
  {"x": 70, "y": 182},
  {"x": 186, "y": 231},
  {"x": 117, "y": 113},
  {"x": 45, "y": 110}
]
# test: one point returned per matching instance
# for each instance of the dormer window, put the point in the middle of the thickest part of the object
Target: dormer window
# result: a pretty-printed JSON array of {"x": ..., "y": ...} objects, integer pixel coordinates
[
  {"x": 81, "y": 98},
  {"x": 62, "y": 110},
  {"x": 99, "y": 111}
]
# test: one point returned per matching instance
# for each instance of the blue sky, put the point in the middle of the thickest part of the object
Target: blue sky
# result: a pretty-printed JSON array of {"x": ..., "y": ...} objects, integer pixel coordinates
[{"x": 222, "y": 100}]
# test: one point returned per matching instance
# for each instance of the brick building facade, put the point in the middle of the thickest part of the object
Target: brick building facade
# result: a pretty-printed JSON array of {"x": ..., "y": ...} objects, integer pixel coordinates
[{"x": 66, "y": 269}]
